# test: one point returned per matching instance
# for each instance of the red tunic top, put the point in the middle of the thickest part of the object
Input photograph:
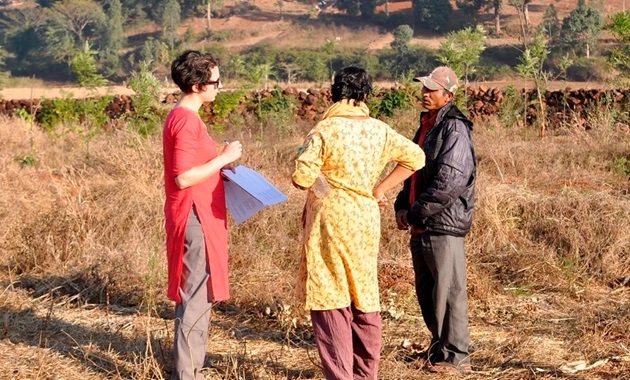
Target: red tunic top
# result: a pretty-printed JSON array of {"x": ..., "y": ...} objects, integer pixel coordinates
[{"x": 186, "y": 144}]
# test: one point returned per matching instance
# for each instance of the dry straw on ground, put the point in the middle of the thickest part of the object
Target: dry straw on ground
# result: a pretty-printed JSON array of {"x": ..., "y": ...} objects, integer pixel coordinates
[{"x": 83, "y": 271}]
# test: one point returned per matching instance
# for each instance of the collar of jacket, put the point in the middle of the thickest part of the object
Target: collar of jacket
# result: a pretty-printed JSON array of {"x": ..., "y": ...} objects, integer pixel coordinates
[{"x": 450, "y": 111}]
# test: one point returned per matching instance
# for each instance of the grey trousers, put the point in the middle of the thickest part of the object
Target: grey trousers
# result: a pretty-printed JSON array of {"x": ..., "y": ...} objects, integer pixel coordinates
[
  {"x": 439, "y": 265},
  {"x": 192, "y": 316}
]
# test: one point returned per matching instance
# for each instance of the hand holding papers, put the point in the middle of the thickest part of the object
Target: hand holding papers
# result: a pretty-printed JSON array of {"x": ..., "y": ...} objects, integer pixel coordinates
[{"x": 248, "y": 192}]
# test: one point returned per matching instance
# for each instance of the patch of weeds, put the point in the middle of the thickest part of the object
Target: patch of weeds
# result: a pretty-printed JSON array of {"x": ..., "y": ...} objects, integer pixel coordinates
[
  {"x": 518, "y": 291},
  {"x": 70, "y": 112},
  {"x": 386, "y": 103},
  {"x": 512, "y": 111},
  {"x": 621, "y": 166},
  {"x": 226, "y": 103},
  {"x": 26, "y": 160}
]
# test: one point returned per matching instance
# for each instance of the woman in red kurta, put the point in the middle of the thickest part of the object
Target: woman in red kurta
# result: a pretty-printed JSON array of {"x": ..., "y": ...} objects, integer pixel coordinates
[{"x": 195, "y": 211}]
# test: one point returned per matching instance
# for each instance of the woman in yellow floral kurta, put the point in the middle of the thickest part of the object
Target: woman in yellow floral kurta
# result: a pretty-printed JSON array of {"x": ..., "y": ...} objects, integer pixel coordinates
[{"x": 347, "y": 151}]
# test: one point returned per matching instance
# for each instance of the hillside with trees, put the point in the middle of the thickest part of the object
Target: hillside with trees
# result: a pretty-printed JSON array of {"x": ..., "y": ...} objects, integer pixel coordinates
[{"x": 94, "y": 42}]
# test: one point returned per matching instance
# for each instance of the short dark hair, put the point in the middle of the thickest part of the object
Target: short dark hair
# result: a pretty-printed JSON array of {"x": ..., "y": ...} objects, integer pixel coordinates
[
  {"x": 351, "y": 83},
  {"x": 193, "y": 68}
]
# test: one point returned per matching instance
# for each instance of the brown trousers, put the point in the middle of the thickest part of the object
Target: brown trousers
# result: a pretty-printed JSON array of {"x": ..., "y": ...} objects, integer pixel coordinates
[{"x": 349, "y": 342}]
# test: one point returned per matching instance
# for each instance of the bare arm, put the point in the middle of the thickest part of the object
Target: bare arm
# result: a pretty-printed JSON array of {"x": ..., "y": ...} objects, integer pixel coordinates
[
  {"x": 200, "y": 173},
  {"x": 399, "y": 174}
]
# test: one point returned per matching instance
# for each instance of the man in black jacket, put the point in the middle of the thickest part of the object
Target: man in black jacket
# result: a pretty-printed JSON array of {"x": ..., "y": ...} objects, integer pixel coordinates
[{"x": 436, "y": 205}]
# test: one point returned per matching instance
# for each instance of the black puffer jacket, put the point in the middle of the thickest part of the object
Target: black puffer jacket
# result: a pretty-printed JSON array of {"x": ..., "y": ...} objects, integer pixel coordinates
[{"x": 445, "y": 186}]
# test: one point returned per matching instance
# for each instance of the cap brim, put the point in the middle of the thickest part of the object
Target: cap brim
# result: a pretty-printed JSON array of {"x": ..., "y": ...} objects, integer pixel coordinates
[{"x": 429, "y": 83}]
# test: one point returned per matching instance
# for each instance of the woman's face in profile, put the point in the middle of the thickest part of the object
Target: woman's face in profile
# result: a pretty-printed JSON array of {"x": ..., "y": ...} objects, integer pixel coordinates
[{"x": 212, "y": 89}]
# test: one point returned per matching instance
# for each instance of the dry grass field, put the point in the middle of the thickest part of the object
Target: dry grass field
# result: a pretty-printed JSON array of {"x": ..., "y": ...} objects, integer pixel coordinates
[
  {"x": 82, "y": 254},
  {"x": 83, "y": 270}
]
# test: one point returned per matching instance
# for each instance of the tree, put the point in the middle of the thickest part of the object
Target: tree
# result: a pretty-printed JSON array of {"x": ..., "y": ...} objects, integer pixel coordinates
[
  {"x": 620, "y": 27},
  {"x": 477, "y": 6},
  {"x": 402, "y": 37},
  {"x": 351, "y": 7},
  {"x": 213, "y": 4},
  {"x": 522, "y": 18},
  {"x": 113, "y": 35},
  {"x": 435, "y": 14},
  {"x": 77, "y": 16},
  {"x": 170, "y": 17},
  {"x": 581, "y": 28},
  {"x": 83, "y": 65},
  {"x": 3, "y": 74},
  {"x": 531, "y": 66},
  {"x": 497, "y": 5},
  {"x": 462, "y": 50},
  {"x": 367, "y": 8},
  {"x": 23, "y": 31},
  {"x": 550, "y": 25}
]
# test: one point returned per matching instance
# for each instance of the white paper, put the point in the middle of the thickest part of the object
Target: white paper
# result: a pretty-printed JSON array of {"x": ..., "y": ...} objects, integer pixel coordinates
[{"x": 248, "y": 192}]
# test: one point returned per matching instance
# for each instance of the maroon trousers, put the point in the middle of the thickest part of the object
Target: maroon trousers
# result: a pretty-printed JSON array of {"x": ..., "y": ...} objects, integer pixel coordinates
[{"x": 349, "y": 342}]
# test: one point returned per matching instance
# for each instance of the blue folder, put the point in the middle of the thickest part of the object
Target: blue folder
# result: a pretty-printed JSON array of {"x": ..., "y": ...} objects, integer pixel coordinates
[{"x": 247, "y": 192}]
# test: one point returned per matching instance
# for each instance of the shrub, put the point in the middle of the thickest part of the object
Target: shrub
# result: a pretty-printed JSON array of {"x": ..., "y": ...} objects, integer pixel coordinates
[
  {"x": 226, "y": 103},
  {"x": 387, "y": 102},
  {"x": 512, "y": 111},
  {"x": 147, "y": 90},
  {"x": 594, "y": 69},
  {"x": 70, "y": 112},
  {"x": 621, "y": 166}
]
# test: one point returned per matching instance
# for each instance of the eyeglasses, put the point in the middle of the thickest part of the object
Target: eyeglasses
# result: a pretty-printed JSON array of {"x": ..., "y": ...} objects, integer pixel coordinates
[{"x": 215, "y": 83}]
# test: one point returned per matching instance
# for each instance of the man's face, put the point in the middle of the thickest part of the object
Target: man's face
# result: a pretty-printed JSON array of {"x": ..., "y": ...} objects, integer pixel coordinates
[{"x": 435, "y": 99}]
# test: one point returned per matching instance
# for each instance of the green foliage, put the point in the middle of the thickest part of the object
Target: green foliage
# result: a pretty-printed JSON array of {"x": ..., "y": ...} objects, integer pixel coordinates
[
  {"x": 4, "y": 75},
  {"x": 277, "y": 102},
  {"x": 462, "y": 50},
  {"x": 550, "y": 25},
  {"x": 351, "y": 7},
  {"x": 387, "y": 102},
  {"x": 169, "y": 17},
  {"x": 147, "y": 90},
  {"x": 113, "y": 36},
  {"x": 433, "y": 14},
  {"x": 533, "y": 58},
  {"x": 531, "y": 67},
  {"x": 24, "y": 115},
  {"x": 72, "y": 112},
  {"x": 594, "y": 69},
  {"x": 154, "y": 52},
  {"x": 22, "y": 41},
  {"x": 470, "y": 6},
  {"x": 82, "y": 18},
  {"x": 259, "y": 73},
  {"x": 218, "y": 35},
  {"x": 512, "y": 110},
  {"x": 620, "y": 27},
  {"x": 26, "y": 160},
  {"x": 621, "y": 166},
  {"x": 83, "y": 65},
  {"x": 581, "y": 28},
  {"x": 402, "y": 37},
  {"x": 367, "y": 8},
  {"x": 227, "y": 102}
]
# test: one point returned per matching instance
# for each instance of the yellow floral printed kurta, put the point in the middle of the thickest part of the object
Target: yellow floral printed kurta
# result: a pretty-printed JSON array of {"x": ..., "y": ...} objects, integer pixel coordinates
[{"x": 341, "y": 235}]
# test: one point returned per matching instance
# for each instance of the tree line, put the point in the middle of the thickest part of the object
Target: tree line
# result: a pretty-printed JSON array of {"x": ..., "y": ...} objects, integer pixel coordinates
[{"x": 84, "y": 40}]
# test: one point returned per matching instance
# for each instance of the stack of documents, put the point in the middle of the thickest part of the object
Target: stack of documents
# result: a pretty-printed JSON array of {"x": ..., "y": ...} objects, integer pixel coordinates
[{"x": 247, "y": 192}]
